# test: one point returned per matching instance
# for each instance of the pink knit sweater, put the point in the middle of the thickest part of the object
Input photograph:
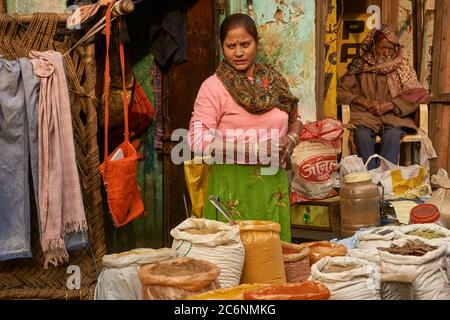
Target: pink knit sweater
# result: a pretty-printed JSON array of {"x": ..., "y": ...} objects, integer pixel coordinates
[{"x": 214, "y": 108}]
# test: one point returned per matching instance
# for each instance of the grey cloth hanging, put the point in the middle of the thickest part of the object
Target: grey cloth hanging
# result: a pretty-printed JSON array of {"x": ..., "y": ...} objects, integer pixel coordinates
[{"x": 19, "y": 95}]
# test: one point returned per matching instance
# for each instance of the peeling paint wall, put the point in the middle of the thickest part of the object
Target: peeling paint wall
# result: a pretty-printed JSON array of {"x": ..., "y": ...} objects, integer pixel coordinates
[
  {"x": 405, "y": 29},
  {"x": 31, "y": 6},
  {"x": 330, "y": 107},
  {"x": 287, "y": 41},
  {"x": 427, "y": 50}
]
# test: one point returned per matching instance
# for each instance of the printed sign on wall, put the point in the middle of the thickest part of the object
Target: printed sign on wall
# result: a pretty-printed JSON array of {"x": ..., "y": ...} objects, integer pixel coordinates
[
  {"x": 330, "y": 61},
  {"x": 352, "y": 30}
]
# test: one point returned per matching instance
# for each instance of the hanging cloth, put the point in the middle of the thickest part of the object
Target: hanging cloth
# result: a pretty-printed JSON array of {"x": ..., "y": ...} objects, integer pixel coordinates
[{"x": 119, "y": 168}]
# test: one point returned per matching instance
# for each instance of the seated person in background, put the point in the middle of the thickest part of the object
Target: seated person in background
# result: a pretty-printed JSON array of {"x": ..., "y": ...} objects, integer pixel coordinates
[{"x": 383, "y": 92}]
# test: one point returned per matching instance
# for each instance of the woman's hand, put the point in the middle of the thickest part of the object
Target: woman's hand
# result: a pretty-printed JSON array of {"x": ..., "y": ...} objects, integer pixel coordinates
[{"x": 287, "y": 146}]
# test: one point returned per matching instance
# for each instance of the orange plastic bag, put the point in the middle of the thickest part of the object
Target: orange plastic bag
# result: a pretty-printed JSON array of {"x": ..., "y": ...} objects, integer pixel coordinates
[
  {"x": 263, "y": 255},
  {"x": 119, "y": 168},
  {"x": 307, "y": 290}
]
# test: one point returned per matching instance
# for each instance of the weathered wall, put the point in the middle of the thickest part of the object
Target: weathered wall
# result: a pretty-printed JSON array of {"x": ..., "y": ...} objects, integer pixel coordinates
[
  {"x": 287, "y": 41},
  {"x": 329, "y": 107},
  {"x": 427, "y": 49},
  {"x": 405, "y": 29},
  {"x": 30, "y": 6}
]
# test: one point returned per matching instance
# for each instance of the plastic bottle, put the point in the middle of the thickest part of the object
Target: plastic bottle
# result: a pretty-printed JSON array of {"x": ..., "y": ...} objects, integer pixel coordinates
[{"x": 360, "y": 203}]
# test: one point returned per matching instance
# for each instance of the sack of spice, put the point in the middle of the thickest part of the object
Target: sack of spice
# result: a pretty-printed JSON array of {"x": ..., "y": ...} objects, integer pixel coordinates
[
  {"x": 178, "y": 278},
  {"x": 348, "y": 278},
  {"x": 424, "y": 260},
  {"x": 435, "y": 234},
  {"x": 376, "y": 237},
  {"x": 213, "y": 241},
  {"x": 119, "y": 278},
  {"x": 296, "y": 262},
  {"x": 395, "y": 284}
]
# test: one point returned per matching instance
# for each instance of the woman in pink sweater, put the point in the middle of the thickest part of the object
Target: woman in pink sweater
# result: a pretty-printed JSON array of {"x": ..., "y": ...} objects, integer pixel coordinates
[{"x": 246, "y": 118}]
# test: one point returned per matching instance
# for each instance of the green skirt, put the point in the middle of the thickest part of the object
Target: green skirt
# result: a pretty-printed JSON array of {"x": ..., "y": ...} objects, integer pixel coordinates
[{"x": 248, "y": 195}]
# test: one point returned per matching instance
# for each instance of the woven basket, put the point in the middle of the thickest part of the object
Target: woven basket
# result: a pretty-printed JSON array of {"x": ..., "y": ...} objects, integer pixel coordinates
[{"x": 27, "y": 278}]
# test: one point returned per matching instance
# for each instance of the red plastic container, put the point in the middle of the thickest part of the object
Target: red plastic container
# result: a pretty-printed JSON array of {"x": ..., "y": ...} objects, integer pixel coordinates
[{"x": 424, "y": 213}]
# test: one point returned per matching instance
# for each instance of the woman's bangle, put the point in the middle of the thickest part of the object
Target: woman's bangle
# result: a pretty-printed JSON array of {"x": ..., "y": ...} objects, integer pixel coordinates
[{"x": 294, "y": 137}]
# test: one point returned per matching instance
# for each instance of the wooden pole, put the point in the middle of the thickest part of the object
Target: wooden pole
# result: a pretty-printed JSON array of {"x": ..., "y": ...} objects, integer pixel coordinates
[
  {"x": 92, "y": 152},
  {"x": 2, "y": 6}
]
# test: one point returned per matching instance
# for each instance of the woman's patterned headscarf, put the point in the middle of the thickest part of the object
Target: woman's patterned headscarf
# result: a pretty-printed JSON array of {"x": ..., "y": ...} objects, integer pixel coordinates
[{"x": 268, "y": 90}]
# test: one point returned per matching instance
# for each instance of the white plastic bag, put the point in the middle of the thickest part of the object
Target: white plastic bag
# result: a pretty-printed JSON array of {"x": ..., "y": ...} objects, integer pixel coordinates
[
  {"x": 441, "y": 197},
  {"x": 399, "y": 181},
  {"x": 351, "y": 164},
  {"x": 361, "y": 283},
  {"x": 119, "y": 279},
  {"x": 215, "y": 242}
]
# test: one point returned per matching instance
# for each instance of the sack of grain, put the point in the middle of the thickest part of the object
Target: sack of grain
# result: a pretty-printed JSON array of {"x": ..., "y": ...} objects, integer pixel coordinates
[
  {"x": 348, "y": 278},
  {"x": 213, "y": 241}
]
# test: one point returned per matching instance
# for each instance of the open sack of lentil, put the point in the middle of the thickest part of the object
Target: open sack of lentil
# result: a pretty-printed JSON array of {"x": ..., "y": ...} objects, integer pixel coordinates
[
  {"x": 119, "y": 278},
  {"x": 306, "y": 290},
  {"x": 348, "y": 278},
  {"x": 296, "y": 262},
  {"x": 424, "y": 260},
  {"x": 376, "y": 237},
  {"x": 178, "y": 278},
  {"x": 435, "y": 234},
  {"x": 263, "y": 253},
  {"x": 213, "y": 241}
]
